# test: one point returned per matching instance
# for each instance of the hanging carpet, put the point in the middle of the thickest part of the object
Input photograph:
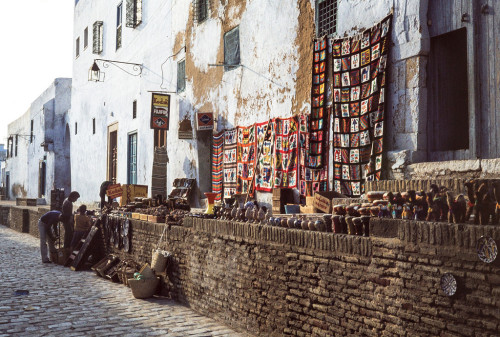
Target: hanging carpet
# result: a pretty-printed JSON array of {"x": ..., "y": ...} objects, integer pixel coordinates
[
  {"x": 264, "y": 178},
  {"x": 286, "y": 152},
  {"x": 229, "y": 163},
  {"x": 245, "y": 157},
  {"x": 359, "y": 65},
  {"x": 217, "y": 164}
]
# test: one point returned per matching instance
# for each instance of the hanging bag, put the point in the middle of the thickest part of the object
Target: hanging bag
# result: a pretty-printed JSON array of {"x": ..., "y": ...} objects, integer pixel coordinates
[{"x": 159, "y": 257}]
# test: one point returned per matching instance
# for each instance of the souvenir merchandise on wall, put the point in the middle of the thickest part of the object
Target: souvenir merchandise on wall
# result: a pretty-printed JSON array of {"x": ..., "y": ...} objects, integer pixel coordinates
[
  {"x": 245, "y": 157},
  {"x": 311, "y": 180},
  {"x": 217, "y": 164},
  {"x": 359, "y": 65},
  {"x": 264, "y": 178},
  {"x": 229, "y": 163},
  {"x": 286, "y": 152},
  {"x": 317, "y": 120}
]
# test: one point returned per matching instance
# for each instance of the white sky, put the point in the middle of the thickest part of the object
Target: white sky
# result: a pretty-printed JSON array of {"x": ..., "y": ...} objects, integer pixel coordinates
[{"x": 36, "y": 39}]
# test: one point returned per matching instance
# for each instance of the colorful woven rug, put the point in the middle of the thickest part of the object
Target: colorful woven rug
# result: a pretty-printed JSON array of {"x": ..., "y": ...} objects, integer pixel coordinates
[
  {"x": 229, "y": 163},
  {"x": 245, "y": 157},
  {"x": 217, "y": 164},
  {"x": 264, "y": 178},
  {"x": 317, "y": 120},
  {"x": 359, "y": 65},
  {"x": 311, "y": 180},
  {"x": 286, "y": 152}
]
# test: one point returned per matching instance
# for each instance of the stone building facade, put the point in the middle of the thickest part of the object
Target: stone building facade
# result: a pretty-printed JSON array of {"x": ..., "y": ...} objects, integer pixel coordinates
[
  {"x": 181, "y": 48},
  {"x": 38, "y": 146}
]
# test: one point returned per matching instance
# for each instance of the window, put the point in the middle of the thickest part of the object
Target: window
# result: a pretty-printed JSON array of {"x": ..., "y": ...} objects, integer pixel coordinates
[
  {"x": 326, "y": 17},
  {"x": 119, "y": 26},
  {"x": 93, "y": 126},
  {"x": 134, "y": 13},
  {"x": 232, "y": 48},
  {"x": 76, "y": 128},
  {"x": 85, "y": 38},
  {"x": 200, "y": 10},
  {"x": 17, "y": 138},
  {"x": 97, "y": 36},
  {"x": 181, "y": 76},
  {"x": 132, "y": 159},
  {"x": 31, "y": 132},
  {"x": 160, "y": 137},
  {"x": 134, "y": 109},
  {"x": 448, "y": 105},
  {"x": 77, "y": 46}
]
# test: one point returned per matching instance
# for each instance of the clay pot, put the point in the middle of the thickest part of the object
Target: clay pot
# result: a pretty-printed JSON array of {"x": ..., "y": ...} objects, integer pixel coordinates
[
  {"x": 311, "y": 225},
  {"x": 366, "y": 225},
  {"x": 305, "y": 224},
  {"x": 374, "y": 210},
  {"x": 352, "y": 210},
  {"x": 343, "y": 225},
  {"x": 380, "y": 202},
  {"x": 374, "y": 195},
  {"x": 291, "y": 221},
  {"x": 284, "y": 222},
  {"x": 297, "y": 224},
  {"x": 270, "y": 221},
  {"x": 358, "y": 226},
  {"x": 320, "y": 225},
  {"x": 339, "y": 209},
  {"x": 350, "y": 225},
  {"x": 364, "y": 211},
  {"x": 327, "y": 218},
  {"x": 336, "y": 226}
]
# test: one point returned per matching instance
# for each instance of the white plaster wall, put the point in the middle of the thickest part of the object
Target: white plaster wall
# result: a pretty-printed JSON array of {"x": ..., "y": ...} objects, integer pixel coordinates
[{"x": 16, "y": 165}]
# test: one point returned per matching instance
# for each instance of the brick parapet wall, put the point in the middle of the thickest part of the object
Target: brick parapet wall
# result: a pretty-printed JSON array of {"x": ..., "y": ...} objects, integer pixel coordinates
[{"x": 4, "y": 215}]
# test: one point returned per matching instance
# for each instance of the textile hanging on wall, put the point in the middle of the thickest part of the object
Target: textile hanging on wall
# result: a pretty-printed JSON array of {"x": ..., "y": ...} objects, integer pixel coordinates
[
  {"x": 358, "y": 94},
  {"x": 245, "y": 157},
  {"x": 264, "y": 178},
  {"x": 217, "y": 164},
  {"x": 311, "y": 180},
  {"x": 317, "y": 122},
  {"x": 229, "y": 163},
  {"x": 286, "y": 152}
]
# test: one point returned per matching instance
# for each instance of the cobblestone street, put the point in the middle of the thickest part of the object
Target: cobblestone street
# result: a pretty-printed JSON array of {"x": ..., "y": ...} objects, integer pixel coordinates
[{"x": 67, "y": 303}]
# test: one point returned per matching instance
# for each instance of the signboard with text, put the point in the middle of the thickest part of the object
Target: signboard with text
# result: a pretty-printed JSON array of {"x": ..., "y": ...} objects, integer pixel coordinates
[
  {"x": 160, "y": 111},
  {"x": 114, "y": 191},
  {"x": 205, "y": 121}
]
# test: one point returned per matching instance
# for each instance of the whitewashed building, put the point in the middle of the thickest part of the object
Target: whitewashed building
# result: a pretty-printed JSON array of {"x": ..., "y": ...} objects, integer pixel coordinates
[
  {"x": 181, "y": 45},
  {"x": 38, "y": 146}
]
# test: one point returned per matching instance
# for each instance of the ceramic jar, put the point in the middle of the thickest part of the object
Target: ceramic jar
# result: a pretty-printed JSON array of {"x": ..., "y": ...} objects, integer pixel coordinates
[
  {"x": 358, "y": 226},
  {"x": 374, "y": 195},
  {"x": 284, "y": 222},
  {"x": 336, "y": 226},
  {"x": 350, "y": 225},
  {"x": 343, "y": 225},
  {"x": 297, "y": 224},
  {"x": 339, "y": 209},
  {"x": 270, "y": 221},
  {"x": 366, "y": 225},
  {"x": 320, "y": 225},
  {"x": 327, "y": 218},
  {"x": 311, "y": 225},
  {"x": 305, "y": 224}
]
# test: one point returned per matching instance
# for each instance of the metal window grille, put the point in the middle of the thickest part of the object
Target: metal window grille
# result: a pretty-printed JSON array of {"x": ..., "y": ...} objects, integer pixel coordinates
[
  {"x": 119, "y": 25},
  {"x": 134, "y": 13},
  {"x": 232, "y": 48},
  {"x": 200, "y": 8},
  {"x": 77, "y": 46},
  {"x": 85, "y": 37},
  {"x": 181, "y": 76},
  {"x": 326, "y": 17},
  {"x": 98, "y": 35},
  {"x": 134, "y": 109}
]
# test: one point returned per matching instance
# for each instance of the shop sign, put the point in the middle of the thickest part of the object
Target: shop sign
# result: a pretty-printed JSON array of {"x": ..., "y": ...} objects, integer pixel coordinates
[
  {"x": 185, "y": 129},
  {"x": 205, "y": 121},
  {"x": 160, "y": 111},
  {"x": 114, "y": 191}
]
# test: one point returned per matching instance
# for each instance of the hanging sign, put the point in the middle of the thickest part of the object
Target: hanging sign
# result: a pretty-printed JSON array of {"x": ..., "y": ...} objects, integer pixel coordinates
[
  {"x": 160, "y": 111},
  {"x": 114, "y": 191},
  {"x": 205, "y": 121}
]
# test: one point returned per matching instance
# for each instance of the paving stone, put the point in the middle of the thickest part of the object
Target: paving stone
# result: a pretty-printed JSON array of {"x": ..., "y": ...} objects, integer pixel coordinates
[{"x": 68, "y": 303}]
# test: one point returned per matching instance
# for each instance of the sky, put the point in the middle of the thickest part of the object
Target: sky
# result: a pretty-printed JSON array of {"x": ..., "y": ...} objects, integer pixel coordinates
[{"x": 37, "y": 43}]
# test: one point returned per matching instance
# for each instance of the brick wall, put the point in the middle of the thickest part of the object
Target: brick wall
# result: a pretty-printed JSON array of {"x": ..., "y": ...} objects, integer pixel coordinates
[
  {"x": 276, "y": 281},
  {"x": 4, "y": 215},
  {"x": 19, "y": 219}
]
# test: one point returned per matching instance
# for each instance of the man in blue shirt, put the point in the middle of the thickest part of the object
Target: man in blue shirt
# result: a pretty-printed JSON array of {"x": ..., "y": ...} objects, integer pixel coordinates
[{"x": 44, "y": 228}]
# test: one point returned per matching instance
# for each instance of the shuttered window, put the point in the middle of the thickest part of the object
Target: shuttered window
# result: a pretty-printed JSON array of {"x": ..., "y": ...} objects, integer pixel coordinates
[
  {"x": 97, "y": 36},
  {"x": 119, "y": 11},
  {"x": 181, "y": 76},
  {"x": 134, "y": 13},
  {"x": 200, "y": 10},
  {"x": 232, "y": 48},
  {"x": 85, "y": 37}
]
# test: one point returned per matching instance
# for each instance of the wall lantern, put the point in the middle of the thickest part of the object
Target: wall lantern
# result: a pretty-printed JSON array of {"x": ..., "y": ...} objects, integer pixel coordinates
[{"x": 96, "y": 75}]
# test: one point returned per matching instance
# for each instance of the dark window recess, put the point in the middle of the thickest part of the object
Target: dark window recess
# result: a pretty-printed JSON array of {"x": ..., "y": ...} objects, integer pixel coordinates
[
  {"x": 119, "y": 26},
  {"x": 326, "y": 17},
  {"x": 76, "y": 128},
  {"x": 17, "y": 138},
  {"x": 134, "y": 109},
  {"x": 31, "y": 131},
  {"x": 160, "y": 138},
  {"x": 134, "y": 13},
  {"x": 93, "y": 126},
  {"x": 448, "y": 120},
  {"x": 97, "y": 36},
  {"x": 232, "y": 48},
  {"x": 181, "y": 76},
  {"x": 85, "y": 37},
  {"x": 42, "y": 178},
  {"x": 77, "y": 47},
  {"x": 200, "y": 8}
]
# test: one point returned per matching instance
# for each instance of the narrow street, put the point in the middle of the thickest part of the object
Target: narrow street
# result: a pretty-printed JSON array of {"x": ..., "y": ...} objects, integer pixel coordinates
[{"x": 62, "y": 302}]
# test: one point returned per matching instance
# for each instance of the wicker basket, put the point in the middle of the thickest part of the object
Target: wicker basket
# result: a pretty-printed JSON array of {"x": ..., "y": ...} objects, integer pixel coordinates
[
  {"x": 159, "y": 260},
  {"x": 144, "y": 288}
]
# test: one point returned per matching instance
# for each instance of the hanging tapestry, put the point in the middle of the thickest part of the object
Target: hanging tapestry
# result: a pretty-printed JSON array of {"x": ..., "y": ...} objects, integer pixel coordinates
[
  {"x": 317, "y": 122},
  {"x": 286, "y": 152},
  {"x": 245, "y": 157},
  {"x": 264, "y": 178},
  {"x": 229, "y": 163},
  {"x": 358, "y": 94},
  {"x": 217, "y": 164},
  {"x": 311, "y": 180}
]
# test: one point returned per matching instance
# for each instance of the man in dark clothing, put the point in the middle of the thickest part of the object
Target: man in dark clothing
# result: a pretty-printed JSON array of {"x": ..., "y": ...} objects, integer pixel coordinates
[
  {"x": 67, "y": 217},
  {"x": 44, "y": 228},
  {"x": 102, "y": 193}
]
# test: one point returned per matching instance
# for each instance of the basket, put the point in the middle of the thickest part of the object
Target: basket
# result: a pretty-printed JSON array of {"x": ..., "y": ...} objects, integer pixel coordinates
[
  {"x": 159, "y": 260},
  {"x": 144, "y": 288}
]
